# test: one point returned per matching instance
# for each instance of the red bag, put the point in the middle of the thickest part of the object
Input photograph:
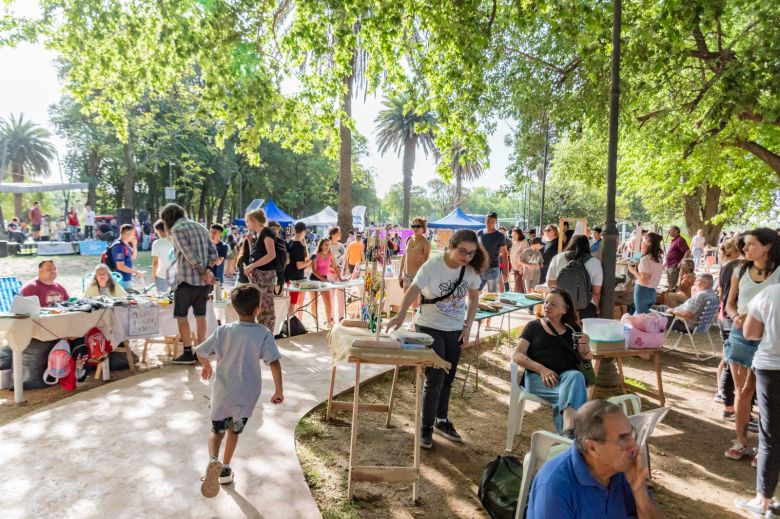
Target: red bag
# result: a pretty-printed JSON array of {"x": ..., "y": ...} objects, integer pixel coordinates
[{"x": 97, "y": 345}]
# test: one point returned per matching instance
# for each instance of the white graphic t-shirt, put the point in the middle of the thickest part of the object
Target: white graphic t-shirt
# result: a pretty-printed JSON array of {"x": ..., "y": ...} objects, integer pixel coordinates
[{"x": 435, "y": 279}]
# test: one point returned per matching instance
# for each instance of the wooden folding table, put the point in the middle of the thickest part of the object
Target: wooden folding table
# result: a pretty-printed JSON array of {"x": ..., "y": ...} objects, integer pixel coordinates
[
  {"x": 618, "y": 356},
  {"x": 347, "y": 345}
]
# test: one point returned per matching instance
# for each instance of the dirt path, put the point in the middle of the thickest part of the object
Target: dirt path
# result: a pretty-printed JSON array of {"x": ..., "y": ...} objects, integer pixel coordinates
[{"x": 691, "y": 478}]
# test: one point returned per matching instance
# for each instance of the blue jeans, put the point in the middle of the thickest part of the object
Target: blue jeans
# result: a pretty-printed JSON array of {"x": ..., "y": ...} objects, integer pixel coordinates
[
  {"x": 644, "y": 298},
  {"x": 739, "y": 350},
  {"x": 161, "y": 284},
  {"x": 697, "y": 254},
  {"x": 490, "y": 278},
  {"x": 571, "y": 391}
]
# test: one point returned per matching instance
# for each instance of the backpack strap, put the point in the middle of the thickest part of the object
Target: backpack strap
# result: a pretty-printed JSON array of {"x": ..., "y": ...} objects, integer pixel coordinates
[{"x": 425, "y": 301}]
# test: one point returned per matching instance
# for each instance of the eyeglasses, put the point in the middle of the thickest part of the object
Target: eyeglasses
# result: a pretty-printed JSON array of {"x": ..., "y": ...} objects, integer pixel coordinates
[
  {"x": 416, "y": 226},
  {"x": 465, "y": 252},
  {"x": 623, "y": 440}
]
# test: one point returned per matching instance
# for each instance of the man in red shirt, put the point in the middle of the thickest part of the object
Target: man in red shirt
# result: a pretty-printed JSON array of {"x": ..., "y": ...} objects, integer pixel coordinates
[
  {"x": 35, "y": 219},
  {"x": 675, "y": 253},
  {"x": 44, "y": 287}
]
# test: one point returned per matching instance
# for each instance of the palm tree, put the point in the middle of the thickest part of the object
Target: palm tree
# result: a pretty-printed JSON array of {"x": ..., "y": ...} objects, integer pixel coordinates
[
  {"x": 463, "y": 168},
  {"x": 403, "y": 126},
  {"x": 26, "y": 148}
]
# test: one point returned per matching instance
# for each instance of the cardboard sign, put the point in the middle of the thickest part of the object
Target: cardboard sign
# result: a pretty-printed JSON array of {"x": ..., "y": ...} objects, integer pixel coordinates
[{"x": 143, "y": 320}]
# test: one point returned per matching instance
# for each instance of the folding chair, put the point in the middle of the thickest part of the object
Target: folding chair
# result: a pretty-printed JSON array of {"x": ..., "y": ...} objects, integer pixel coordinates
[
  {"x": 544, "y": 446},
  {"x": 517, "y": 397},
  {"x": 9, "y": 287},
  {"x": 701, "y": 327},
  {"x": 644, "y": 424}
]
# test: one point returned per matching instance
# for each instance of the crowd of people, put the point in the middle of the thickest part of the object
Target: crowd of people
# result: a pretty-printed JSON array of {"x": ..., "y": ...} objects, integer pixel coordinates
[{"x": 189, "y": 258}]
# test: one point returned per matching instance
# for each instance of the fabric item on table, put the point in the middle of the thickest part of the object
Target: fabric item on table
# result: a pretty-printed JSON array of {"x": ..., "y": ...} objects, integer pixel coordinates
[{"x": 341, "y": 338}]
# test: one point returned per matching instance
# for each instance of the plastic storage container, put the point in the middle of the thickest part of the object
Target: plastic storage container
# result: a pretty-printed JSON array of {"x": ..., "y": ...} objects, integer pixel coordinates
[{"x": 606, "y": 330}]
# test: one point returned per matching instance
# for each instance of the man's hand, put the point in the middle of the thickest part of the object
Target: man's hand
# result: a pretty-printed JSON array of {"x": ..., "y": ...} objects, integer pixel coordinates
[
  {"x": 637, "y": 473},
  {"x": 208, "y": 277},
  {"x": 278, "y": 398},
  {"x": 206, "y": 373},
  {"x": 395, "y": 322}
]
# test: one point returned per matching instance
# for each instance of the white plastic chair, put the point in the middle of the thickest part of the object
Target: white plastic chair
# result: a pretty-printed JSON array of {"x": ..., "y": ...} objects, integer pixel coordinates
[
  {"x": 517, "y": 397},
  {"x": 701, "y": 327},
  {"x": 544, "y": 446},
  {"x": 630, "y": 403},
  {"x": 644, "y": 424}
]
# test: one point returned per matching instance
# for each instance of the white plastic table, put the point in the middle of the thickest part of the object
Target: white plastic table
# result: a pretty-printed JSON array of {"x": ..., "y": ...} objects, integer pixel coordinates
[{"x": 325, "y": 287}]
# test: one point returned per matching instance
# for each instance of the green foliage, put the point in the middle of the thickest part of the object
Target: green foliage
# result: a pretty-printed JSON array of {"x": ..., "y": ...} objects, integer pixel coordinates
[{"x": 392, "y": 203}]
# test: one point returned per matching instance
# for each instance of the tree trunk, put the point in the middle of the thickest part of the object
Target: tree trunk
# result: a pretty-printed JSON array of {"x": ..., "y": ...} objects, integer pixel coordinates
[
  {"x": 345, "y": 156},
  {"x": 127, "y": 191},
  {"x": 221, "y": 206},
  {"x": 410, "y": 150},
  {"x": 93, "y": 170},
  {"x": 699, "y": 208},
  {"x": 458, "y": 188},
  {"x": 17, "y": 175},
  {"x": 202, "y": 204}
]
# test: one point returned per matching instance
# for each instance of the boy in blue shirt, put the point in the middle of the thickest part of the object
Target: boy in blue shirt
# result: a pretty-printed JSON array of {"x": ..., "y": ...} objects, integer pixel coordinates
[
  {"x": 123, "y": 252},
  {"x": 239, "y": 346},
  {"x": 222, "y": 251}
]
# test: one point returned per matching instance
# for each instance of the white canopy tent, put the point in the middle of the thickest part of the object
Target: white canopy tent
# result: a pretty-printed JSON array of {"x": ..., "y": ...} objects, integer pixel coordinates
[
  {"x": 22, "y": 187},
  {"x": 324, "y": 218}
]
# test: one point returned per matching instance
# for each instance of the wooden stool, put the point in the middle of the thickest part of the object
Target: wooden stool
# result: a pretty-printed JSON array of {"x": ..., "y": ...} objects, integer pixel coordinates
[
  {"x": 171, "y": 342},
  {"x": 130, "y": 362}
]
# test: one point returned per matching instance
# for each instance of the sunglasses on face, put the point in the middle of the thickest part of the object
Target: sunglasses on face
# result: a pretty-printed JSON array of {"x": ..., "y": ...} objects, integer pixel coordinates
[{"x": 416, "y": 226}]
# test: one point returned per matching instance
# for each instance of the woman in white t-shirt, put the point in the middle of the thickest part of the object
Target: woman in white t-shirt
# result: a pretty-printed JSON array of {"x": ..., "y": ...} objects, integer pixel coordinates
[
  {"x": 444, "y": 281},
  {"x": 763, "y": 323},
  {"x": 760, "y": 270},
  {"x": 647, "y": 273}
]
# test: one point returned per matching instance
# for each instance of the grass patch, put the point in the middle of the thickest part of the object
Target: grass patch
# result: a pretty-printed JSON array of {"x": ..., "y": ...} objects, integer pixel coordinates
[
  {"x": 635, "y": 383},
  {"x": 347, "y": 509},
  {"x": 309, "y": 429}
]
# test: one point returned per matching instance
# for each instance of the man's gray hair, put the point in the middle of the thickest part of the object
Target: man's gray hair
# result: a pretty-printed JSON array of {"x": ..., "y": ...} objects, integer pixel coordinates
[
  {"x": 708, "y": 278},
  {"x": 589, "y": 421}
]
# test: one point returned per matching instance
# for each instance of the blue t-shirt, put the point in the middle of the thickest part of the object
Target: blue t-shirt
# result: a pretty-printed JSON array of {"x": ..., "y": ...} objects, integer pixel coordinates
[
  {"x": 219, "y": 270},
  {"x": 123, "y": 253},
  {"x": 565, "y": 488}
]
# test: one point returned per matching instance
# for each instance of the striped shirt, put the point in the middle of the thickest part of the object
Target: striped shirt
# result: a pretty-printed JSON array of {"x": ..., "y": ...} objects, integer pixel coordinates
[{"x": 195, "y": 252}]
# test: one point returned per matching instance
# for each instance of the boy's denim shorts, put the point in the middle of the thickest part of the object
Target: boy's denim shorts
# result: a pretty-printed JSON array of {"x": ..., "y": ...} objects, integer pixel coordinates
[{"x": 221, "y": 426}]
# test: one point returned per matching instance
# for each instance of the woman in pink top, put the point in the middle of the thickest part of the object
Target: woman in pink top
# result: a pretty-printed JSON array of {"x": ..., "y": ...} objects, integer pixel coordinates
[
  {"x": 324, "y": 264},
  {"x": 647, "y": 273}
]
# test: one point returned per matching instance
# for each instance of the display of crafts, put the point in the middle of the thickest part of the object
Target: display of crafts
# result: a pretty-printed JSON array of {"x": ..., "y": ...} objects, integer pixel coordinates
[
  {"x": 373, "y": 282},
  {"x": 489, "y": 302}
]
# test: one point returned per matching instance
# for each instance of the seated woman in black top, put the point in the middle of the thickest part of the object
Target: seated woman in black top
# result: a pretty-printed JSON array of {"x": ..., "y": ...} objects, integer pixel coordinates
[{"x": 545, "y": 350}]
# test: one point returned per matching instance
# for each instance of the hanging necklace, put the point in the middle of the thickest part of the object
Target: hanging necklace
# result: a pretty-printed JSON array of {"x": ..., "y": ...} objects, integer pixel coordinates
[{"x": 759, "y": 271}]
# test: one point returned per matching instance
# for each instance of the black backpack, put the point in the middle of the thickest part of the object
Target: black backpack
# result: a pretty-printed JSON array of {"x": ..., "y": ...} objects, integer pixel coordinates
[
  {"x": 281, "y": 255},
  {"x": 107, "y": 258},
  {"x": 296, "y": 328},
  {"x": 574, "y": 279},
  {"x": 499, "y": 487}
]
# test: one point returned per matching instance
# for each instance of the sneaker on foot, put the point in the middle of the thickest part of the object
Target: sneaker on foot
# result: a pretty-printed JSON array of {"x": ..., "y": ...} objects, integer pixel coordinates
[
  {"x": 210, "y": 486},
  {"x": 185, "y": 358},
  {"x": 226, "y": 476},
  {"x": 728, "y": 415},
  {"x": 446, "y": 429},
  {"x": 749, "y": 506},
  {"x": 737, "y": 451},
  {"x": 718, "y": 398},
  {"x": 754, "y": 461},
  {"x": 426, "y": 437}
]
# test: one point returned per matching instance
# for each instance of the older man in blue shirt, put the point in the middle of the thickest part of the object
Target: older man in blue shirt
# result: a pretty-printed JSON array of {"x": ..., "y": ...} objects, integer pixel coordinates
[{"x": 601, "y": 476}]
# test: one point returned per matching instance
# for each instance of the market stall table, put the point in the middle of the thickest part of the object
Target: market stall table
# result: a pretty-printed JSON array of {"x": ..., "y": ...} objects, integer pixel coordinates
[
  {"x": 19, "y": 331},
  {"x": 357, "y": 345},
  {"x": 518, "y": 302},
  {"x": 325, "y": 287},
  {"x": 618, "y": 356}
]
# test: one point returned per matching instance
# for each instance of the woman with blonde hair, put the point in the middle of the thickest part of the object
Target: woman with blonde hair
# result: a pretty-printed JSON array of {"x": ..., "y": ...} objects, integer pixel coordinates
[
  {"x": 417, "y": 251},
  {"x": 103, "y": 284},
  {"x": 261, "y": 266}
]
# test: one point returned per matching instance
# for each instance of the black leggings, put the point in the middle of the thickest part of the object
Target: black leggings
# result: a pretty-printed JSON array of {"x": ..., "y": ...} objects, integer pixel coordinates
[{"x": 768, "y": 392}]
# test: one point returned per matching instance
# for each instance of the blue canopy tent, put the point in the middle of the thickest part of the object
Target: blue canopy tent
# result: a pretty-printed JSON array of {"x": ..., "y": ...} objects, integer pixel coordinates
[
  {"x": 457, "y": 219},
  {"x": 272, "y": 212}
]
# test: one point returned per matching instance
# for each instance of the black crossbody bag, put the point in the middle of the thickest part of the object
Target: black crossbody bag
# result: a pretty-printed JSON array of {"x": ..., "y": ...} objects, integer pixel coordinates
[
  {"x": 425, "y": 301},
  {"x": 584, "y": 366}
]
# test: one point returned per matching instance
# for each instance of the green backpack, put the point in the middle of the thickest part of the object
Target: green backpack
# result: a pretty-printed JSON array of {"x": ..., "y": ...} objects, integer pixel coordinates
[{"x": 499, "y": 486}]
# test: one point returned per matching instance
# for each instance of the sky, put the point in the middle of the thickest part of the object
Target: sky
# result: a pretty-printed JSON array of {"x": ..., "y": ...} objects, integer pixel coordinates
[{"x": 30, "y": 85}]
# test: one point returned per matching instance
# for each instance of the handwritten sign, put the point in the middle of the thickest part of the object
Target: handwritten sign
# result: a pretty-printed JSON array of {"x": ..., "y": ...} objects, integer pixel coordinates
[{"x": 144, "y": 320}]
